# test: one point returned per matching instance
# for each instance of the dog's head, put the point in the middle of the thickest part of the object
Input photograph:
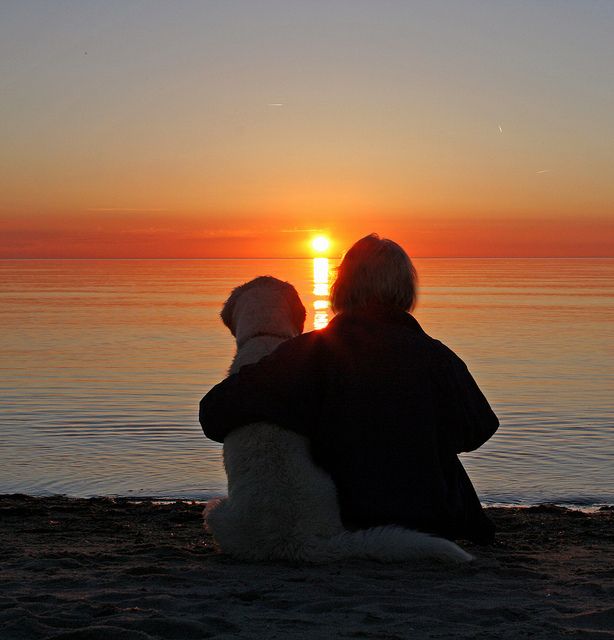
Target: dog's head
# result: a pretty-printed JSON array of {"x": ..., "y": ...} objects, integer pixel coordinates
[{"x": 264, "y": 305}]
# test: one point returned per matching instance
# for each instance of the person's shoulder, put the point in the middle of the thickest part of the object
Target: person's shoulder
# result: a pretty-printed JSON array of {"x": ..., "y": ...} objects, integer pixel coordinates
[
  {"x": 439, "y": 346},
  {"x": 443, "y": 353},
  {"x": 306, "y": 339},
  {"x": 303, "y": 343}
]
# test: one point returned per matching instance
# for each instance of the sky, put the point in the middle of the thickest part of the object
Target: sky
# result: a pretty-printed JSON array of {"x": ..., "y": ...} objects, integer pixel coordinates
[{"x": 241, "y": 128}]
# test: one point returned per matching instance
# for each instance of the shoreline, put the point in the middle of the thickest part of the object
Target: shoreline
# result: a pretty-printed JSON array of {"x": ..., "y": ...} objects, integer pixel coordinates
[
  {"x": 137, "y": 568},
  {"x": 585, "y": 507}
]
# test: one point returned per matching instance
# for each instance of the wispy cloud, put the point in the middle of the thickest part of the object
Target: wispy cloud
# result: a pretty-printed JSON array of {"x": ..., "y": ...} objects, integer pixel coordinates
[
  {"x": 143, "y": 209},
  {"x": 179, "y": 231},
  {"x": 228, "y": 233}
]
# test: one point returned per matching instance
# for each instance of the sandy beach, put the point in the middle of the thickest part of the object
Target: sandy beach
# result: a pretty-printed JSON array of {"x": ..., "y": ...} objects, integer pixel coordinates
[{"x": 119, "y": 569}]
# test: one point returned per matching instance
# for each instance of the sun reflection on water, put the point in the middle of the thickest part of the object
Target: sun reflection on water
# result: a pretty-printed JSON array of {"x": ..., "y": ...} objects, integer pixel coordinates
[{"x": 320, "y": 290}]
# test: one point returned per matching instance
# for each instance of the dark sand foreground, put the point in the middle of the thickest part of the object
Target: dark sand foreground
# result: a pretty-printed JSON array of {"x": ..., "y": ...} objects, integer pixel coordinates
[{"x": 116, "y": 569}]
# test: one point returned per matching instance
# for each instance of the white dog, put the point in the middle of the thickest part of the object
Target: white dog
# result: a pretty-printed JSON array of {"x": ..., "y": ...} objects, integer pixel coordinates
[{"x": 280, "y": 505}]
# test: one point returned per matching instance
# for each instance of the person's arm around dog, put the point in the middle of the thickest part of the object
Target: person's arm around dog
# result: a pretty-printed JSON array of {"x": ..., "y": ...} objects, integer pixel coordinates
[{"x": 280, "y": 388}]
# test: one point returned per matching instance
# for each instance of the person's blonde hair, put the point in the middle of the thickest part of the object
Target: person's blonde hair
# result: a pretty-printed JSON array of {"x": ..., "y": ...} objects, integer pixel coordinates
[{"x": 374, "y": 272}]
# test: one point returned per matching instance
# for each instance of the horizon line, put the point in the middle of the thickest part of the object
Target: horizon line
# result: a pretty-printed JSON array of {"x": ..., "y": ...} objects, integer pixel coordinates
[{"x": 512, "y": 257}]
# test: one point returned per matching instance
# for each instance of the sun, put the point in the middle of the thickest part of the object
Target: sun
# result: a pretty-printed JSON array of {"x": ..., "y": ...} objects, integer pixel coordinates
[{"x": 320, "y": 244}]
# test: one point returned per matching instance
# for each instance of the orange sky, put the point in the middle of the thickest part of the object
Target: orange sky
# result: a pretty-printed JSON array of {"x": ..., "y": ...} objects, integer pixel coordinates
[
  {"x": 230, "y": 129},
  {"x": 152, "y": 236}
]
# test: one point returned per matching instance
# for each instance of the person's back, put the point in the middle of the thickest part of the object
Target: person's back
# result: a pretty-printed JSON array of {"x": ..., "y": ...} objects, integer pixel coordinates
[{"x": 395, "y": 407}]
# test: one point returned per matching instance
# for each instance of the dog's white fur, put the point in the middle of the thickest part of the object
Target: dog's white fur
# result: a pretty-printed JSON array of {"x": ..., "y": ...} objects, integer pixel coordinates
[{"x": 280, "y": 505}]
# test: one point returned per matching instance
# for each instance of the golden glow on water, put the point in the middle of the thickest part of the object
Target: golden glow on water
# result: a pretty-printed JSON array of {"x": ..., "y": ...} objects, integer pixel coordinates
[
  {"x": 320, "y": 273},
  {"x": 321, "y": 291}
]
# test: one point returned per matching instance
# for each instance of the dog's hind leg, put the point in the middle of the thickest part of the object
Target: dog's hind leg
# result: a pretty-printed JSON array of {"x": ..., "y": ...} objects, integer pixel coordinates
[
  {"x": 214, "y": 514},
  {"x": 232, "y": 532}
]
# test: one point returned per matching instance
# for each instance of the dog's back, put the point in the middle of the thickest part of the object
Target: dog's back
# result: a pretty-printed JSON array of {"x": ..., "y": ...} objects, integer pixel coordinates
[{"x": 277, "y": 498}]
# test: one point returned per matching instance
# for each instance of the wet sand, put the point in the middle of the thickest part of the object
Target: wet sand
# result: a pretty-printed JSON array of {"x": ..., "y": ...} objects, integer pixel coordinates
[{"x": 115, "y": 569}]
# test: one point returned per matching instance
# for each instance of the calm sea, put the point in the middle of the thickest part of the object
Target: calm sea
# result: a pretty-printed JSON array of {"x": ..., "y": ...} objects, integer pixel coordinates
[{"x": 104, "y": 363}]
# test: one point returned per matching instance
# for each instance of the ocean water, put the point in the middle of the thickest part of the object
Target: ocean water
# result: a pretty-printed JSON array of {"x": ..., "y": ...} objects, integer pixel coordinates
[{"x": 103, "y": 363}]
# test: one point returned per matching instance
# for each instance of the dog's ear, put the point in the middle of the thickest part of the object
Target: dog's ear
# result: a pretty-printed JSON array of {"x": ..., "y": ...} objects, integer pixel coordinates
[
  {"x": 296, "y": 307},
  {"x": 227, "y": 312}
]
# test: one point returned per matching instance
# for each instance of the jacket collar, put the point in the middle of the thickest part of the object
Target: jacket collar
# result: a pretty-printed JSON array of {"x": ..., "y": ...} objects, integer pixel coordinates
[{"x": 377, "y": 315}]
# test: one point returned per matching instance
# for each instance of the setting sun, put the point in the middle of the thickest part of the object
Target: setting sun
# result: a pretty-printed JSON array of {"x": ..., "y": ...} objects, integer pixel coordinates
[{"x": 320, "y": 244}]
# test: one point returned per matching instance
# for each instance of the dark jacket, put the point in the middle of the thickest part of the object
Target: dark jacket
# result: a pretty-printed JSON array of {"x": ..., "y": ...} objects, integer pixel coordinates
[{"x": 386, "y": 408}]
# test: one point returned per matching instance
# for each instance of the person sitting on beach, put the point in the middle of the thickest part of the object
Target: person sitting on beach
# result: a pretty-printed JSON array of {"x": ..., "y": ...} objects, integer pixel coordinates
[{"x": 386, "y": 408}]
